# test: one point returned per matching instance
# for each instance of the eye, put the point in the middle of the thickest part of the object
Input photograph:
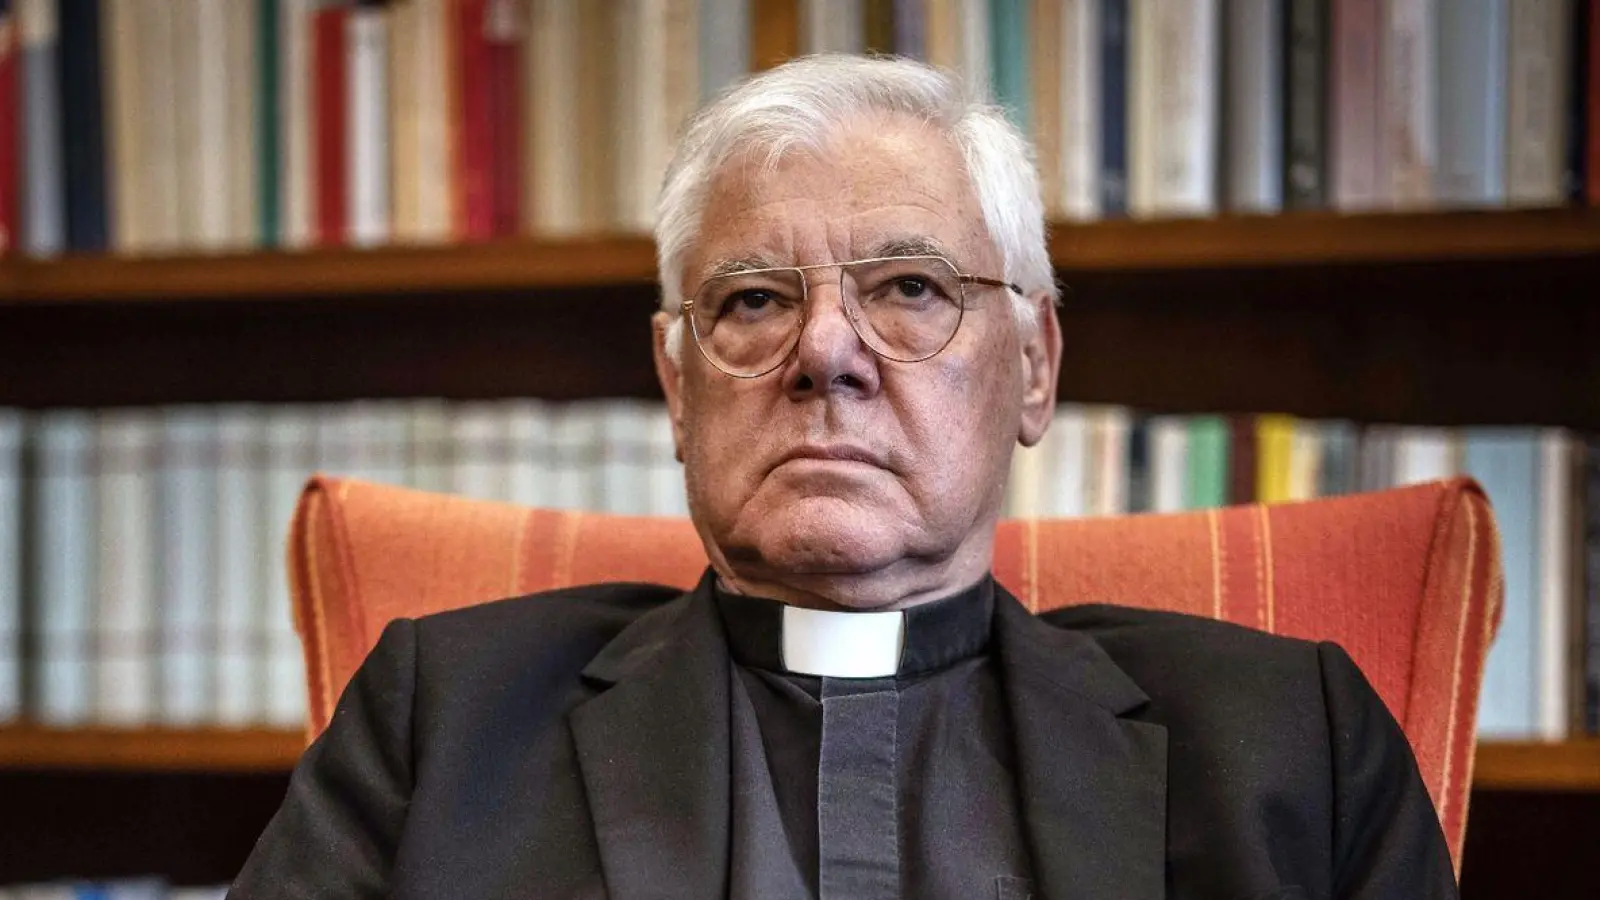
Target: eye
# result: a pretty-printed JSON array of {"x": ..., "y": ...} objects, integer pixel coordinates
[
  {"x": 911, "y": 287},
  {"x": 748, "y": 301}
]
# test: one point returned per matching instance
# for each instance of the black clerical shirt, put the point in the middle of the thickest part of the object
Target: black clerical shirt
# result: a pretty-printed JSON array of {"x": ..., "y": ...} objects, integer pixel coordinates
[{"x": 874, "y": 788}]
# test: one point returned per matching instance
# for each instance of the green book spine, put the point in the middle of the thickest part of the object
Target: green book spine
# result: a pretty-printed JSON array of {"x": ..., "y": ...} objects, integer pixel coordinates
[
  {"x": 1009, "y": 63},
  {"x": 1206, "y": 486},
  {"x": 267, "y": 144}
]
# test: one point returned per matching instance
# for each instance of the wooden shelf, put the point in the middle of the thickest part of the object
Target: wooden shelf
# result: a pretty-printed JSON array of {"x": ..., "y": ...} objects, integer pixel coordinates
[
  {"x": 1573, "y": 766},
  {"x": 150, "y": 749},
  {"x": 1251, "y": 242}
]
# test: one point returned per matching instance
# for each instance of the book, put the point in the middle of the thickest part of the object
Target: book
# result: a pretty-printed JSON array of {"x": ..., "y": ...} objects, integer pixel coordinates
[
  {"x": 724, "y": 45},
  {"x": 83, "y": 144},
  {"x": 1253, "y": 85},
  {"x": 1507, "y": 463},
  {"x": 1555, "y": 603},
  {"x": 474, "y": 151},
  {"x": 552, "y": 97},
  {"x": 1425, "y": 454},
  {"x": 297, "y": 113},
  {"x": 505, "y": 33},
  {"x": 1355, "y": 112},
  {"x": 185, "y": 526},
  {"x": 1109, "y": 453},
  {"x": 64, "y": 562},
  {"x": 366, "y": 161},
  {"x": 1536, "y": 101},
  {"x": 1591, "y": 586},
  {"x": 1174, "y": 102},
  {"x": 329, "y": 84},
  {"x": 10, "y": 137},
  {"x": 479, "y": 437},
  {"x": 126, "y": 608},
  {"x": 1471, "y": 75},
  {"x": 205, "y": 135},
  {"x": 241, "y": 119},
  {"x": 1305, "y": 460},
  {"x": 1010, "y": 61},
  {"x": 910, "y": 29},
  {"x": 11, "y": 574},
  {"x": 42, "y": 216},
  {"x": 1274, "y": 457},
  {"x": 529, "y": 437},
  {"x": 1305, "y": 105},
  {"x": 1169, "y": 453},
  {"x": 244, "y": 555},
  {"x": 1206, "y": 482},
  {"x": 1067, "y": 471},
  {"x": 290, "y": 458},
  {"x": 1079, "y": 110},
  {"x": 1113, "y": 108},
  {"x": 1340, "y": 459},
  {"x": 832, "y": 26},
  {"x": 268, "y": 124},
  {"x": 1243, "y": 445},
  {"x": 1408, "y": 139},
  {"x": 1592, "y": 116}
]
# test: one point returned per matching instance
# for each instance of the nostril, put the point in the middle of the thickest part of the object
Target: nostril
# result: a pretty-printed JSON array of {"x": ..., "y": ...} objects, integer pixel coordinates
[
  {"x": 848, "y": 380},
  {"x": 803, "y": 383}
]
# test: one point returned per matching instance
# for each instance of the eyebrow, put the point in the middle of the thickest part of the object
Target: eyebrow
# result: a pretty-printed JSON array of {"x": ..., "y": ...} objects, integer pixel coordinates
[
  {"x": 903, "y": 246},
  {"x": 742, "y": 264}
]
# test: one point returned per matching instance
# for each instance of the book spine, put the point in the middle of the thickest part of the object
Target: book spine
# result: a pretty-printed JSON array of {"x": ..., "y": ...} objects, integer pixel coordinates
[
  {"x": 297, "y": 123},
  {"x": 290, "y": 460},
  {"x": 1471, "y": 90},
  {"x": 1408, "y": 142},
  {"x": 1555, "y": 569},
  {"x": 552, "y": 116},
  {"x": 1009, "y": 25},
  {"x": 910, "y": 29},
  {"x": 1592, "y": 168},
  {"x": 1506, "y": 463},
  {"x": 366, "y": 159},
  {"x": 724, "y": 44},
  {"x": 479, "y": 441},
  {"x": 9, "y": 133},
  {"x": 208, "y": 199},
  {"x": 11, "y": 473},
  {"x": 1356, "y": 42},
  {"x": 1575, "y": 171},
  {"x": 527, "y": 475},
  {"x": 64, "y": 562},
  {"x": 329, "y": 84},
  {"x": 1242, "y": 464},
  {"x": 1590, "y": 516},
  {"x": 1048, "y": 82},
  {"x": 1114, "y": 65},
  {"x": 240, "y": 115},
  {"x": 186, "y": 528},
  {"x": 1305, "y": 105},
  {"x": 1067, "y": 453},
  {"x": 1305, "y": 460},
  {"x": 1338, "y": 471},
  {"x": 83, "y": 126},
  {"x": 1206, "y": 481},
  {"x": 1169, "y": 452},
  {"x": 268, "y": 148},
  {"x": 125, "y": 611},
  {"x": 504, "y": 41},
  {"x": 1254, "y": 83},
  {"x": 1274, "y": 458},
  {"x": 475, "y": 150},
  {"x": 1078, "y": 132},
  {"x": 1536, "y": 102},
  {"x": 242, "y": 559},
  {"x": 43, "y": 212}
]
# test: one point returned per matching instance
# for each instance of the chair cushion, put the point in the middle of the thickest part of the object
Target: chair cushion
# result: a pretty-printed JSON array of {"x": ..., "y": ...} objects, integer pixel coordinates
[{"x": 1406, "y": 580}]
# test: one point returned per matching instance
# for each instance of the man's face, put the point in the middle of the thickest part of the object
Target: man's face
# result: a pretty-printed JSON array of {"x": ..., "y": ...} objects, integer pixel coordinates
[{"x": 843, "y": 478}]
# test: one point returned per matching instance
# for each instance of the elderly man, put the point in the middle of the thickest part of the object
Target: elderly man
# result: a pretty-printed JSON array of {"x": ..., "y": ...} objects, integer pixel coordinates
[{"x": 858, "y": 330}]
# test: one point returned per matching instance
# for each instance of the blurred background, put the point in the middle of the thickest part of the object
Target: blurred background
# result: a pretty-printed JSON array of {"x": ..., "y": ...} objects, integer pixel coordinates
[{"x": 1310, "y": 247}]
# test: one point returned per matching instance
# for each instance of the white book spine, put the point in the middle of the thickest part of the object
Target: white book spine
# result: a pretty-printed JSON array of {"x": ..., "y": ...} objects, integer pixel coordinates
[
  {"x": 1555, "y": 578},
  {"x": 162, "y": 221},
  {"x": 1068, "y": 474},
  {"x": 1408, "y": 141},
  {"x": 243, "y": 556},
  {"x": 190, "y": 102},
  {"x": 1169, "y": 445},
  {"x": 1537, "y": 101},
  {"x": 66, "y": 564},
  {"x": 1109, "y": 486},
  {"x": 241, "y": 138},
  {"x": 121, "y": 49},
  {"x": 11, "y": 434},
  {"x": 479, "y": 437},
  {"x": 1079, "y": 140},
  {"x": 832, "y": 26},
  {"x": 291, "y": 454},
  {"x": 1255, "y": 105},
  {"x": 553, "y": 116},
  {"x": 208, "y": 153},
  {"x": 42, "y": 202},
  {"x": 125, "y": 612},
  {"x": 528, "y": 470},
  {"x": 974, "y": 48},
  {"x": 367, "y": 156},
  {"x": 186, "y": 550},
  {"x": 296, "y": 124},
  {"x": 668, "y": 493},
  {"x": 1472, "y": 92},
  {"x": 1025, "y": 484},
  {"x": 388, "y": 457},
  {"x": 428, "y": 446},
  {"x": 624, "y": 449},
  {"x": 655, "y": 121},
  {"x": 574, "y": 445},
  {"x": 1425, "y": 454},
  {"x": 724, "y": 44},
  {"x": 1305, "y": 459}
]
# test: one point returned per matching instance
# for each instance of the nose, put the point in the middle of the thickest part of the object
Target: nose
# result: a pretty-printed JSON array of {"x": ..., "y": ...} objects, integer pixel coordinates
[{"x": 830, "y": 356}]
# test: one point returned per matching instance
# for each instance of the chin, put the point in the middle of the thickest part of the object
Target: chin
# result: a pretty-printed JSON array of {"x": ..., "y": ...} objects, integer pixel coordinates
[{"x": 826, "y": 536}]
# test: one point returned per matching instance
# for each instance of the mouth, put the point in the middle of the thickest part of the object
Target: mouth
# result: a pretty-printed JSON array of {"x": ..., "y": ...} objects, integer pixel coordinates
[{"x": 848, "y": 454}]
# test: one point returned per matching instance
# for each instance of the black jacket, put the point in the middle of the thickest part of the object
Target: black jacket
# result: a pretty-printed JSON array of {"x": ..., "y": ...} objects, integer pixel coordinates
[{"x": 575, "y": 744}]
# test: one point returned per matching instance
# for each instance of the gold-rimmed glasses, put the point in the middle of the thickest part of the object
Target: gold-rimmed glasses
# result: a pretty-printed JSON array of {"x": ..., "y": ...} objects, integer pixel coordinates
[{"x": 904, "y": 308}]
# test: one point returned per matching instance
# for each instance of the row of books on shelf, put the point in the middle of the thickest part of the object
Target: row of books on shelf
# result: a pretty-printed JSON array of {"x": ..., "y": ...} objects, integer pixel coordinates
[
  {"x": 141, "y": 574},
  {"x": 1542, "y": 679},
  {"x": 211, "y": 125},
  {"x": 141, "y": 550},
  {"x": 124, "y": 889}
]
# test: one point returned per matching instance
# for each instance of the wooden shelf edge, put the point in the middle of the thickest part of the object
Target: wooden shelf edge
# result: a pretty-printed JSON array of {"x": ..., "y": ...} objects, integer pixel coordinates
[
  {"x": 150, "y": 749},
  {"x": 1569, "y": 766},
  {"x": 531, "y": 264}
]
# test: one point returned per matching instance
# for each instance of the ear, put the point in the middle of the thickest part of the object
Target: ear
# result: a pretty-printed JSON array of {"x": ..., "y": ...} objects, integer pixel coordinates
[
  {"x": 669, "y": 372},
  {"x": 1041, "y": 369}
]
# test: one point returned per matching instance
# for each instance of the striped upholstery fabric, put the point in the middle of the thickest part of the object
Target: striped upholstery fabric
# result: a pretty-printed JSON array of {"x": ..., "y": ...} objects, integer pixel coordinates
[{"x": 1407, "y": 580}]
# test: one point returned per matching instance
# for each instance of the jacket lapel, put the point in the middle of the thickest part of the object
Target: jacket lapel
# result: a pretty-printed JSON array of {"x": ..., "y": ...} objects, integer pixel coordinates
[
  {"x": 1093, "y": 785},
  {"x": 653, "y": 750}
]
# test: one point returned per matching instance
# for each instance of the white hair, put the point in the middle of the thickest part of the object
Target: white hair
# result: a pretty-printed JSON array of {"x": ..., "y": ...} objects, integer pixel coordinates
[{"x": 802, "y": 103}]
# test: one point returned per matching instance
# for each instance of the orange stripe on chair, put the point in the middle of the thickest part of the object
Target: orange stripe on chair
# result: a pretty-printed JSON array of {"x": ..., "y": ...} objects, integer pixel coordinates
[{"x": 1408, "y": 581}]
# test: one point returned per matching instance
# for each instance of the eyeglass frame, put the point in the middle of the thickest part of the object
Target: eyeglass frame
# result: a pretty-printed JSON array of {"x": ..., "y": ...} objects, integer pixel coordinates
[{"x": 686, "y": 306}]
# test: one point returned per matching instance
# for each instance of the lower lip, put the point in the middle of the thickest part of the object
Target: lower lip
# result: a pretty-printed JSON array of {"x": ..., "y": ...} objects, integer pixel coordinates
[{"x": 828, "y": 462}]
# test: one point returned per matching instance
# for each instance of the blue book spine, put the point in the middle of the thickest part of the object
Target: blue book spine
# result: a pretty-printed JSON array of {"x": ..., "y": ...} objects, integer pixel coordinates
[
  {"x": 1114, "y": 108},
  {"x": 1506, "y": 463},
  {"x": 911, "y": 29},
  {"x": 43, "y": 190},
  {"x": 83, "y": 126},
  {"x": 1472, "y": 39},
  {"x": 1008, "y": 60}
]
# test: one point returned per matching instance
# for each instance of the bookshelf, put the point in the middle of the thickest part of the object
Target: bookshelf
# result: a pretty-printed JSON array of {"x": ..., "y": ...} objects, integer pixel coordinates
[{"x": 1569, "y": 766}]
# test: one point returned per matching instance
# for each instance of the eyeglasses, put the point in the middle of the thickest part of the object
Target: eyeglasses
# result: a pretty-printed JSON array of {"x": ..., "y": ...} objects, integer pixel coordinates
[{"x": 904, "y": 308}]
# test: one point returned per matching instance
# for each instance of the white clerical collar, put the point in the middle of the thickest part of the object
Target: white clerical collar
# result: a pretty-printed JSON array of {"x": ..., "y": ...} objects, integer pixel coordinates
[{"x": 842, "y": 644}]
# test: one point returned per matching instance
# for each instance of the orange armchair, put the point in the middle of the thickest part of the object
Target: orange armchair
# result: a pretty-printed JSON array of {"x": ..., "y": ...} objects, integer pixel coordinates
[{"x": 1408, "y": 581}]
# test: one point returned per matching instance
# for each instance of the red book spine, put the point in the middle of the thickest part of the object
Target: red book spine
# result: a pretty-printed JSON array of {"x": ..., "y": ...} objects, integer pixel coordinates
[
  {"x": 329, "y": 86},
  {"x": 475, "y": 156},
  {"x": 9, "y": 135},
  {"x": 505, "y": 118},
  {"x": 1593, "y": 166}
]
